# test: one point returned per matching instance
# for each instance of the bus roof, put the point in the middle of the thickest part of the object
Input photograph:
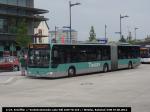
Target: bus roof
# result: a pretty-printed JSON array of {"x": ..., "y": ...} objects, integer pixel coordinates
[
  {"x": 81, "y": 44},
  {"x": 98, "y": 44},
  {"x": 90, "y": 44}
]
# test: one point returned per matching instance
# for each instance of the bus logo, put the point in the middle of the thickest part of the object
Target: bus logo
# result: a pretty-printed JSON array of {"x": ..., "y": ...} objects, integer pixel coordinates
[{"x": 94, "y": 65}]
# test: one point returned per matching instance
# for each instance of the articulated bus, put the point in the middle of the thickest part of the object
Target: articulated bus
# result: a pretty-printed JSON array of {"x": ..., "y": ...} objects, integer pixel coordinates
[
  {"x": 145, "y": 54},
  {"x": 58, "y": 60}
]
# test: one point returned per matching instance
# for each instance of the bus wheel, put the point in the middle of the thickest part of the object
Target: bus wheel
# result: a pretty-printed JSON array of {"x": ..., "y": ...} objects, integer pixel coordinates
[
  {"x": 130, "y": 65},
  {"x": 105, "y": 68},
  {"x": 71, "y": 71}
]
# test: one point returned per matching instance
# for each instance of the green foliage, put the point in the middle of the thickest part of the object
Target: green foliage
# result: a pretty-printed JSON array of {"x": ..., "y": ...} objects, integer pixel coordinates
[
  {"x": 136, "y": 42},
  {"x": 132, "y": 42},
  {"x": 122, "y": 39},
  {"x": 92, "y": 35},
  {"x": 22, "y": 38}
]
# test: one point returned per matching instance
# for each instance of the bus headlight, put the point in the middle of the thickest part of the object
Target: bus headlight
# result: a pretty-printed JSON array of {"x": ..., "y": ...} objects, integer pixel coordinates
[{"x": 50, "y": 73}]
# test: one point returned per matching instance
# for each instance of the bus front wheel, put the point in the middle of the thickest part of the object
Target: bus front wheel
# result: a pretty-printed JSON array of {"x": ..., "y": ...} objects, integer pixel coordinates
[
  {"x": 105, "y": 68},
  {"x": 71, "y": 72}
]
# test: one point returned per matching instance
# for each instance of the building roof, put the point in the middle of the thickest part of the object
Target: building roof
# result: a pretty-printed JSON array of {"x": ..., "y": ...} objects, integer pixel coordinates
[
  {"x": 34, "y": 10},
  {"x": 35, "y": 18}
]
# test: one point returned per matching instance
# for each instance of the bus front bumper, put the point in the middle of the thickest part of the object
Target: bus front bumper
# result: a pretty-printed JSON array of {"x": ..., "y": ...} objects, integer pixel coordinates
[
  {"x": 47, "y": 75},
  {"x": 145, "y": 60}
]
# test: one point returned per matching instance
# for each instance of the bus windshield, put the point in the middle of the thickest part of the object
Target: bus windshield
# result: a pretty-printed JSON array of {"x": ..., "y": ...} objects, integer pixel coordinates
[
  {"x": 145, "y": 53},
  {"x": 38, "y": 58}
]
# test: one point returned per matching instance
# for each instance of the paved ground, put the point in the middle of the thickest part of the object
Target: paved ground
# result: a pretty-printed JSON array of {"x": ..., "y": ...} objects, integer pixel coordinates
[
  {"x": 9, "y": 77},
  {"x": 119, "y": 88}
]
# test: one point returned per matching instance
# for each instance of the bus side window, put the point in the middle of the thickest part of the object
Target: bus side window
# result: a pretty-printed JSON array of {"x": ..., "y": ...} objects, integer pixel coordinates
[
  {"x": 55, "y": 54},
  {"x": 105, "y": 54},
  {"x": 83, "y": 56},
  {"x": 62, "y": 60},
  {"x": 55, "y": 57},
  {"x": 68, "y": 58},
  {"x": 99, "y": 56},
  {"x": 119, "y": 54}
]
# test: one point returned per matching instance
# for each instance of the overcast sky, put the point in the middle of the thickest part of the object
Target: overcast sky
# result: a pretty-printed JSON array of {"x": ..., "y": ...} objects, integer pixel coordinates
[{"x": 97, "y": 13}]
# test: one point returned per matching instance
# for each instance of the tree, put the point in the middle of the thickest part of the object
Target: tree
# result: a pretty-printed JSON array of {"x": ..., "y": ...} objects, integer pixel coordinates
[
  {"x": 22, "y": 37},
  {"x": 122, "y": 39},
  {"x": 92, "y": 35},
  {"x": 129, "y": 37}
]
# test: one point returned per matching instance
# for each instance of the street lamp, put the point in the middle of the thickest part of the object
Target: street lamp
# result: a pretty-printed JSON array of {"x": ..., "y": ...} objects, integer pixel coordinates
[
  {"x": 121, "y": 17},
  {"x": 135, "y": 32},
  {"x": 66, "y": 27},
  {"x": 71, "y": 5},
  {"x": 56, "y": 28}
]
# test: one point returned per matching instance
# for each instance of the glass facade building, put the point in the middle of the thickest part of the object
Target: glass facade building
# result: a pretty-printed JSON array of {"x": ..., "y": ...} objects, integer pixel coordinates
[{"x": 11, "y": 11}]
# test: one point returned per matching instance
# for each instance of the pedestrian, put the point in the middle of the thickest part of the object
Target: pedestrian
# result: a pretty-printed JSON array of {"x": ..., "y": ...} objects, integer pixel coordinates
[
  {"x": 26, "y": 60},
  {"x": 23, "y": 65}
]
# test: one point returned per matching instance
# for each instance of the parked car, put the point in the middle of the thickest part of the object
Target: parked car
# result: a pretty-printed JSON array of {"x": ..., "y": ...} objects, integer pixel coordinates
[{"x": 9, "y": 63}]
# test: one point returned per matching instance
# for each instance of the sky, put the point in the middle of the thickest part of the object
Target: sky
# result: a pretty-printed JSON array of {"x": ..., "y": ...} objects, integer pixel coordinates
[{"x": 97, "y": 13}]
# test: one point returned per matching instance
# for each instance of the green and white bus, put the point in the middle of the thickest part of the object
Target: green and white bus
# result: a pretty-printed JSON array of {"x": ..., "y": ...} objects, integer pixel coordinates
[{"x": 58, "y": 60}]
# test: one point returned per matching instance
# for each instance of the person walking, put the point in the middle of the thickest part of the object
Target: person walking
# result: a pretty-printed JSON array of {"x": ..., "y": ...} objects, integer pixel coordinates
[{"x": 23, "y": 65}]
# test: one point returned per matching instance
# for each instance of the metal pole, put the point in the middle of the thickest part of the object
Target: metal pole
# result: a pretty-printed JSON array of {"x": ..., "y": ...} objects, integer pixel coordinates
[
  {"x": 70, "y": 21},
  {"x": 55, "y": 32},
  {"x": 70, "y": 5},
  {"x": 135, "y": 33},
  {"x": 120, "y": 28},
  {"x": 121, "y": 25},
  {"x": 105, "y": 31},
  {"x": 50, "y": 37},
  {"x": 12, "y": 49}
]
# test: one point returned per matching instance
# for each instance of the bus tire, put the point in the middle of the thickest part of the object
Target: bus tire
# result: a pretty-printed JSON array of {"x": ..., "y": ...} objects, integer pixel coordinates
[
  {"x": 130, "y": 66},
  {"x": 105, "y": 68},
  {"x": 71, "y": 71}
]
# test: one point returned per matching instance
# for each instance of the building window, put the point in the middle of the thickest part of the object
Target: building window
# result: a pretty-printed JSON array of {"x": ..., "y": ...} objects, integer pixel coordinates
[
  {"x": 12, "y": 11},
  {"x": 22, "y": 12},
  {"x": 12, "y": 2},
  {"x": 12, "y": 25},
  {"x": 3, "y": 1},
  {"x": 3, "y": 10},
  {"x": 40, "y": 32},
  {"x": 30, "y": 3},
  {"x": 3, "y": 26},
  {"x": 22, "y": 3}
]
